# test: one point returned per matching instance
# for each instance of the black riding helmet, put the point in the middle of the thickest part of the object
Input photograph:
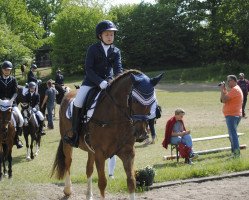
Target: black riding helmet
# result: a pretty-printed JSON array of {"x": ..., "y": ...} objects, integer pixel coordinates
[
  {"x": 105, "y": 25},
  {"x": 34, "y": 66},
  {"x": 7, "y": 65},
  {"x": 32, "y": 84}
]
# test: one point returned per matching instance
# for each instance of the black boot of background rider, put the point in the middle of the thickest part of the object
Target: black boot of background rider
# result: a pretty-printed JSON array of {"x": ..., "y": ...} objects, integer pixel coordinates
[
  {"x": 18, "y": 142},
  {"x": 73, "y": 141}
]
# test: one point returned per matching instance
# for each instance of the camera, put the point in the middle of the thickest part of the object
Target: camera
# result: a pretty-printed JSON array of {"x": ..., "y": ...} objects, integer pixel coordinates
[{"x": 221, "y": 83}]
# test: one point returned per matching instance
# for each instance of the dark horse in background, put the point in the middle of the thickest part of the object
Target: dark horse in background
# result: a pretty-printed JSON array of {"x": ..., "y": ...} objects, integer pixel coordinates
[
  {"x": 112, "y": 134},
  {"x": 30, "y": 128},
  {"x": 42, "y": 87},
  {"x": 7, "y": 135}
]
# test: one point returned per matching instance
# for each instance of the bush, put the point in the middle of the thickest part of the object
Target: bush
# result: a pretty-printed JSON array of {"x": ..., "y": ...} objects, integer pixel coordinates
[{"x": 145, "y": 176}]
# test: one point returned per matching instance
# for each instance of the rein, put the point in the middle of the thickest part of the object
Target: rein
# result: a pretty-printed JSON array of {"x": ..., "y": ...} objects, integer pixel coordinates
[{"x": 132, "y": 119}]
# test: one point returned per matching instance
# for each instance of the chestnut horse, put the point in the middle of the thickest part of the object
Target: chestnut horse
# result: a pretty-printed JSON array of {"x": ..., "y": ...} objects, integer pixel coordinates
[
  {"x": 127, "y": 101},
  {"x": 7, "y": 135},
  {"x": 30, "y": 127}
]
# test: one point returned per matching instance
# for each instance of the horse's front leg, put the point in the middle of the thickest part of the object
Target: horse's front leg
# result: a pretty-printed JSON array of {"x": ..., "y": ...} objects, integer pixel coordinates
[
  {"x": 26, "y": 137},
  {"x": 127, "y": 156},
  {"x": 38, "y": 141},
  {"x": 31, "y": 148},
  {"x": 100, "y": 165},
  {"x": 89, "y": 172},
  {"x": 10, "y": 163}
]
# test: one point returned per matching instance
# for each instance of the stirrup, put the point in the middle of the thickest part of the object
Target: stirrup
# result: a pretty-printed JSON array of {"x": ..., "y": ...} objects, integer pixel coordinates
[{"x": 71, "y": 141}]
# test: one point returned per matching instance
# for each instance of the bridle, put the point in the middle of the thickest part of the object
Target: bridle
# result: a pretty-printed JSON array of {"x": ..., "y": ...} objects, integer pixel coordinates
[{"x": 131, "y": 118}]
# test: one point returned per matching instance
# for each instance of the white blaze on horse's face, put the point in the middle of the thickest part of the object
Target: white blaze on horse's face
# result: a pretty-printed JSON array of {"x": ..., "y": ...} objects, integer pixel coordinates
[{"x": 25, "y": 117}]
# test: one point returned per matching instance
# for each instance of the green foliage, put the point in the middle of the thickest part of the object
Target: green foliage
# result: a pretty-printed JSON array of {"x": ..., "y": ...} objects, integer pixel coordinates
[
  {"x": 73, "y": 34},
  {"x": 11, "y": 46},
  {"x": 22, "y": 23}
]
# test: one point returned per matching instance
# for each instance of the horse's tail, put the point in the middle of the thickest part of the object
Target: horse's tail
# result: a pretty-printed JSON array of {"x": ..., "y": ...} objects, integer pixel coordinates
[{"x": 59, "y": 166}]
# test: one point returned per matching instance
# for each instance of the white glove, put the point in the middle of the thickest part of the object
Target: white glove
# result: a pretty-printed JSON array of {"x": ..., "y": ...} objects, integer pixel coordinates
[
  {"x": 34, "y": 110},
  {"x": 39, "y": 81},
  {"x": 103, "y": 85}
]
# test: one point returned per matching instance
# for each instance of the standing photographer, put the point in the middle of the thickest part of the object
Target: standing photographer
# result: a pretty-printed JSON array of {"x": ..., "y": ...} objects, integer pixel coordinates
[
  {"x": 232, "y": 108},
  {"x": 244, "y": 85}
]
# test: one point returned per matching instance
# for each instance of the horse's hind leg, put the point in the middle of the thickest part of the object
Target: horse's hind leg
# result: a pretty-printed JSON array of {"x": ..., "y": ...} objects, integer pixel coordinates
[
  {"x": 100, "y": 165},
  {"x": 89, "y": 172},
  {"x": 127, "y": 158},
  {"x": 67, "y": 149}
]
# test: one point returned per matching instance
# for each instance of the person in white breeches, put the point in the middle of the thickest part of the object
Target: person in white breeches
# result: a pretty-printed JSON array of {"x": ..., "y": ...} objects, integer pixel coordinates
[
  {"x": 103, "y": 61},
  {"x": 111, "y": 166},
  {"x": 8, "y": 88}
]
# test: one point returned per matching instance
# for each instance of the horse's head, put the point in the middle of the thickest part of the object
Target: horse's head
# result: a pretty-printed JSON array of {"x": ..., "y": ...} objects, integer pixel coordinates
[
  {"x": 26, "y": 112},
  {"x": 5, "y": 115},
  {"x": 141, "y": 98}
]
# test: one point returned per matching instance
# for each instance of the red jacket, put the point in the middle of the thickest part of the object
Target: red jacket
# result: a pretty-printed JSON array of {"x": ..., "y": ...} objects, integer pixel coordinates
[{"x": 168, "y": 131}]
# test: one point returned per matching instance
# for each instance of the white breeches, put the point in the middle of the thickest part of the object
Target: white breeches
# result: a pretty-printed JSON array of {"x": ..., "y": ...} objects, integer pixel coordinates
[
  {"x": 21, "y": 121},
  {"x": 81, "y": 95},
  {"x": 111, "y": 165},
  {"x": 40, "y": 115}
]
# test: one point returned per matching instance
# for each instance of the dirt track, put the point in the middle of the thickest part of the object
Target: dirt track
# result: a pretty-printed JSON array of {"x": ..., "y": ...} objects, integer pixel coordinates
[{"x": 225, "y": 189}]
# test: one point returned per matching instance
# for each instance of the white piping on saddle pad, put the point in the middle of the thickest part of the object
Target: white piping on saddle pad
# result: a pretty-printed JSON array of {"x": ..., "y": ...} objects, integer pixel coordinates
[{"x": 69, "y": 112}]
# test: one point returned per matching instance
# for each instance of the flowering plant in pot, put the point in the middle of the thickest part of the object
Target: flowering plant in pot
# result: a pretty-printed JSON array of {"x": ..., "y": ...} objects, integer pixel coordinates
[{"x": 145, "y": 176}]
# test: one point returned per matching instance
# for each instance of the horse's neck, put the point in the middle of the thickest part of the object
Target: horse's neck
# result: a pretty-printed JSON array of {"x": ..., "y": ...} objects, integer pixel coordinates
[{"x": 122, "y": 88}]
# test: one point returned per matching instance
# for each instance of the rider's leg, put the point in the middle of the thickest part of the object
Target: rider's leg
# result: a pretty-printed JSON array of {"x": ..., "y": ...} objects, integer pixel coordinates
[
  {"x": 78, "y": 104},
  {"x": 18, "y": 143},
  {"x": 40, "y": 119}
]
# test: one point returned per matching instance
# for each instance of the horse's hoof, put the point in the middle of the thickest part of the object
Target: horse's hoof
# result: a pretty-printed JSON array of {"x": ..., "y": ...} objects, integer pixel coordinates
[
  {"x": 89, "y": 197},
  {"x": 28, "y": 159},
  {"x": 67, "y": 191}
]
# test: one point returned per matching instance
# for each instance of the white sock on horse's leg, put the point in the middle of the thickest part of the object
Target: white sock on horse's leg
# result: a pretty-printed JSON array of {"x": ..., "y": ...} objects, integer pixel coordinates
[
  {"x": 28, "y": 154},
  {"x": 89, "y": 193},
  {"x": 68, "y": 185},
  {"x": 132, "y": 196}
]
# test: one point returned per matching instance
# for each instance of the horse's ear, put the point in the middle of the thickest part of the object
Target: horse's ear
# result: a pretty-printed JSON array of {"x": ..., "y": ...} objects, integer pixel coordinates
[
  {"x": 156, "y": 79},
  {"x": 134, "y": 79}
]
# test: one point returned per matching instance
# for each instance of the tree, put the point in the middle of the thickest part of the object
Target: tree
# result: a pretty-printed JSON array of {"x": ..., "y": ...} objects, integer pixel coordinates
[
  {"x": 73, "y": 34},
  {"x": 11, "y": 46}
]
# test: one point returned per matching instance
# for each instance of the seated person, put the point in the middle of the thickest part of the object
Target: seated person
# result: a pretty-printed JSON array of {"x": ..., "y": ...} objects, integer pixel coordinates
[
  {"x": 33, "y": 99},
  {"x": 176, "y": 133}
]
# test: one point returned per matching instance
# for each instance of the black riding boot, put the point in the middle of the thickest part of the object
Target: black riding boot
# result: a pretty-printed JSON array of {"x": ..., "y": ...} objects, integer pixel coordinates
[
  {"x": 18, "y": 142},
  {"x": 41, "y": 125},
  {"x": 73, "y": 141}
]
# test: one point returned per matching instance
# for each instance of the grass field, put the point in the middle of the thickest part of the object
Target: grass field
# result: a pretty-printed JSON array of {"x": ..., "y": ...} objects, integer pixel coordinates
[{"x": 203, "y": 117}]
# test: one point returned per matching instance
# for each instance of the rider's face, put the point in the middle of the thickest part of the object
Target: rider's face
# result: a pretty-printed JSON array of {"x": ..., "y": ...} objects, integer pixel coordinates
[
  {"x": 108, "y": 37},
  {"x": 6, "y": 72}
]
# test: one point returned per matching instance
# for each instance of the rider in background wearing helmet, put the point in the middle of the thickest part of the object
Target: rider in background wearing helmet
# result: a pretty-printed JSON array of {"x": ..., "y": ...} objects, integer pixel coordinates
[
  {"x": 33, "y": 99},
  {"x": 59, "y": 78},
  {"x": 103, "y": 61},
  {"x": 8, "y": 88},
  {"x": 31, "y": 75}
]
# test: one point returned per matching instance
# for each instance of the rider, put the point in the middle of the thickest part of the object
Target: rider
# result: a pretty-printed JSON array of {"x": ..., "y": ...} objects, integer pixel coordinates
[
  {"x": 31, "y": 75},
  {"x": 8, "y": 88},
  {"x": 33, "y": 99},
  {"x": 59, "y": 79},
  {"x": 103, "y": 60}
]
